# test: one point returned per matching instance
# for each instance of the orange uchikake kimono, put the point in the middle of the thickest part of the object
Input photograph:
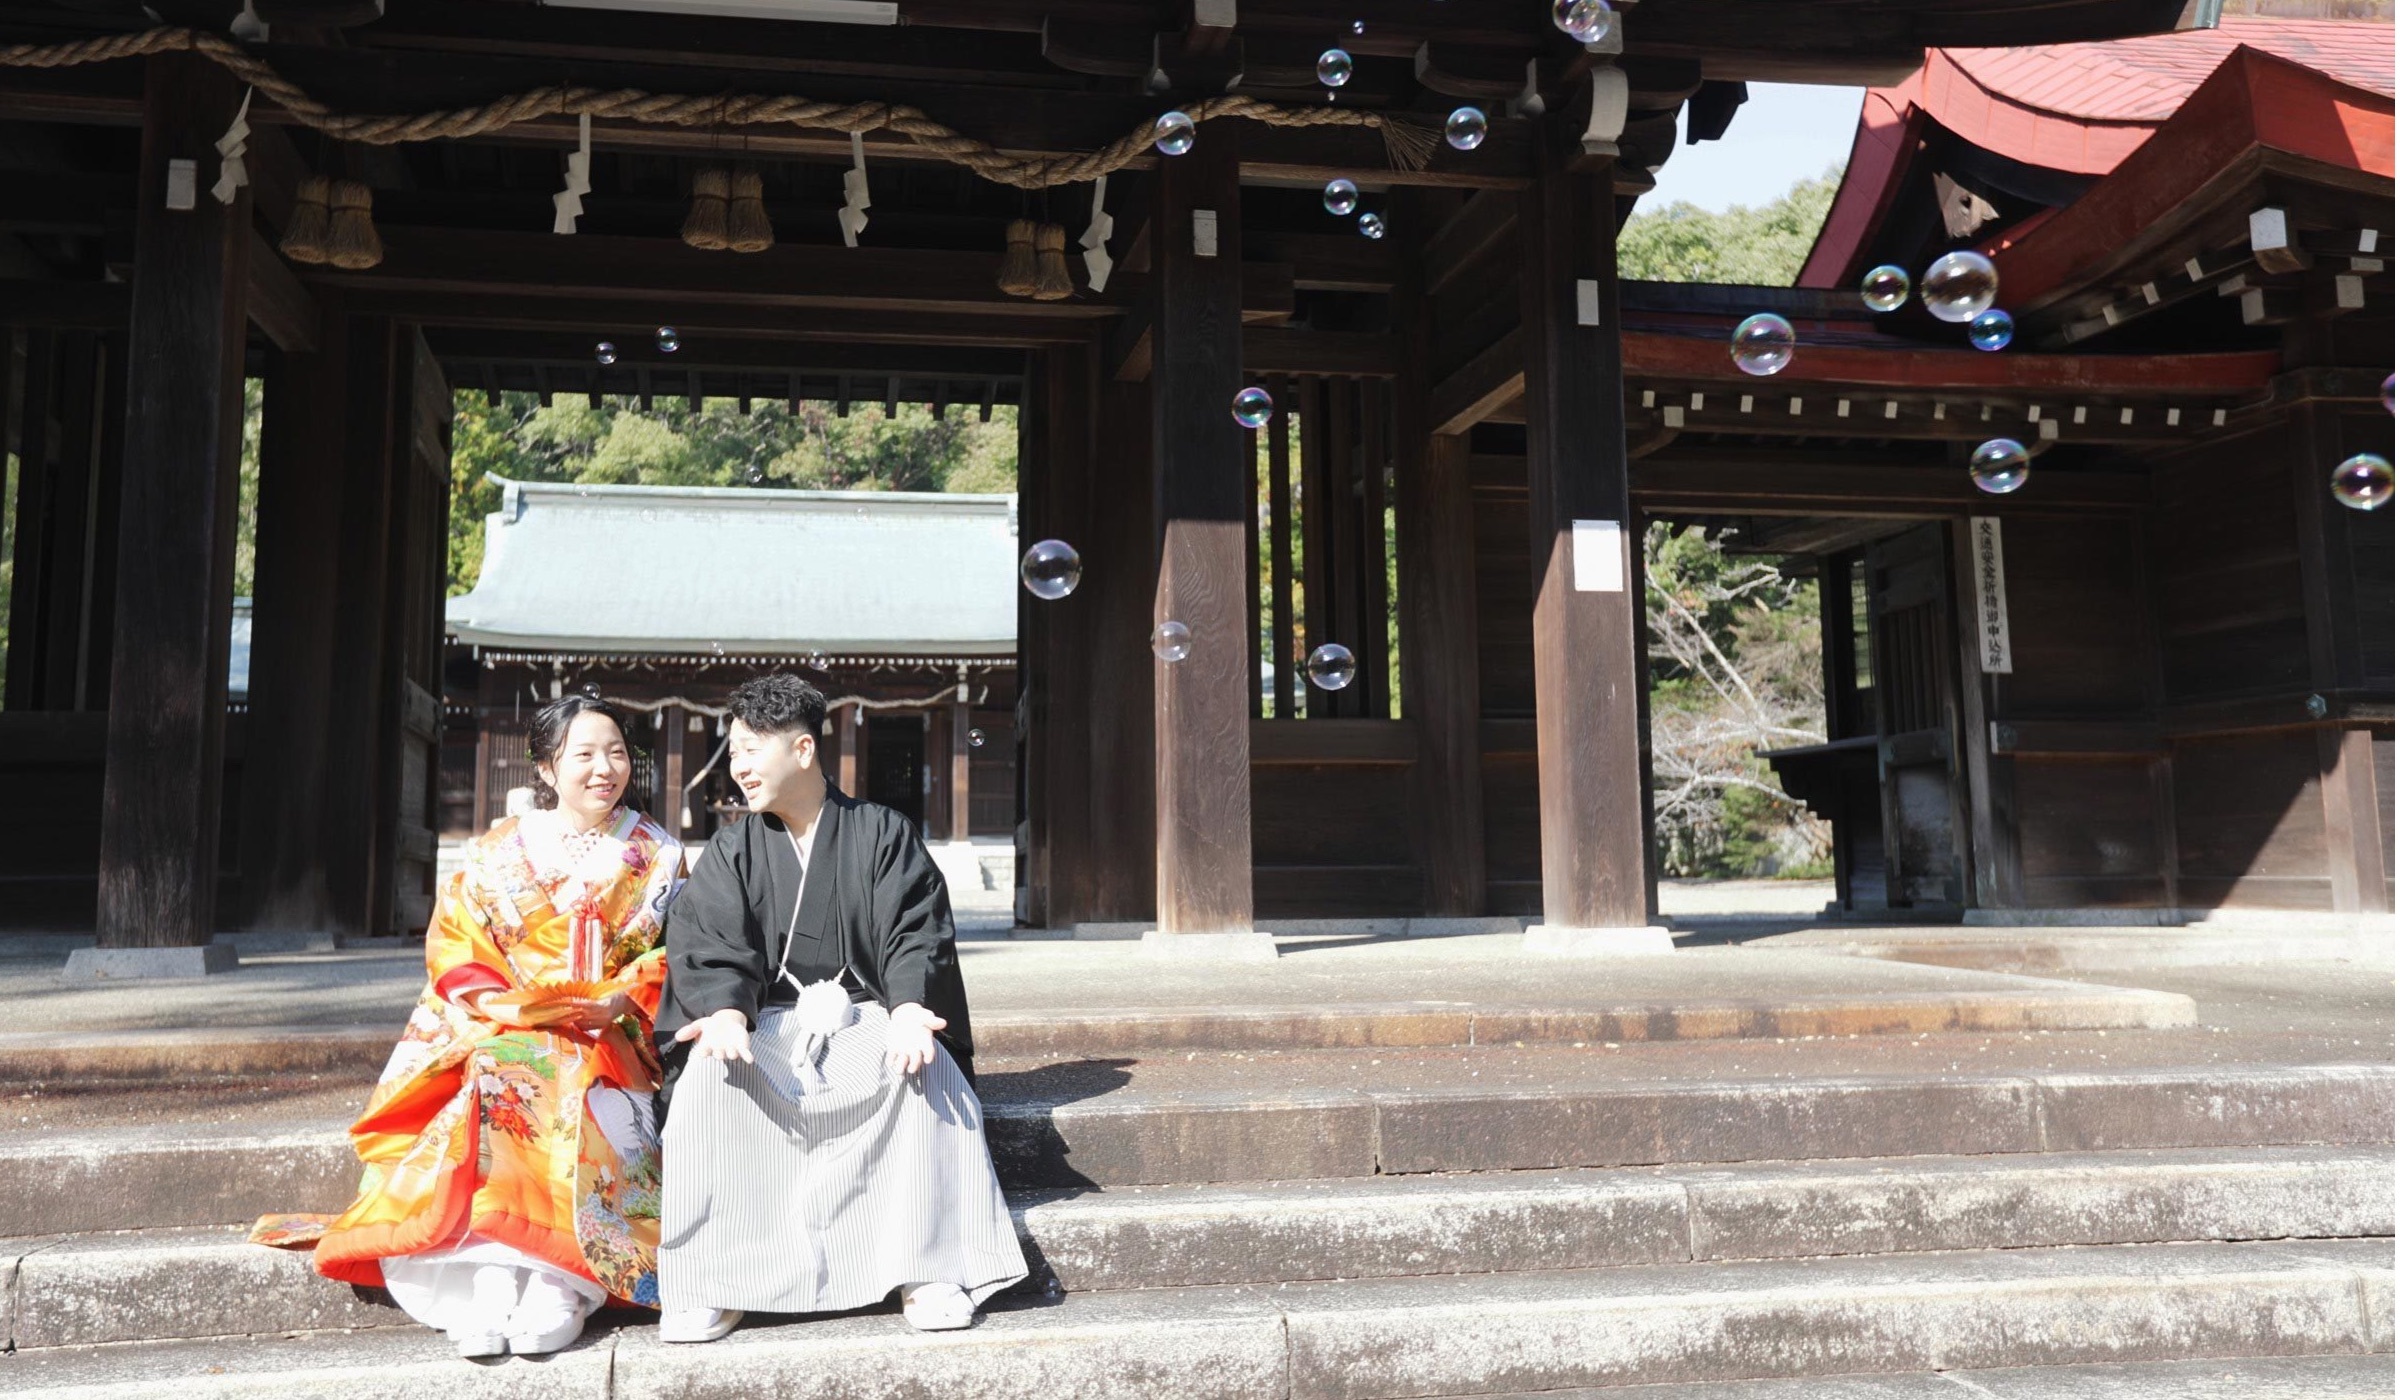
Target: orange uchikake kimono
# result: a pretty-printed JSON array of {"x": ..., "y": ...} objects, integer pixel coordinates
[{"x": 539, "y": 1139}]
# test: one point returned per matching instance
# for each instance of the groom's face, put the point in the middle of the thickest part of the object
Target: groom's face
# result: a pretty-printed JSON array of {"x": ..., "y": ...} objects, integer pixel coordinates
[{"x": 770, "y": 769}]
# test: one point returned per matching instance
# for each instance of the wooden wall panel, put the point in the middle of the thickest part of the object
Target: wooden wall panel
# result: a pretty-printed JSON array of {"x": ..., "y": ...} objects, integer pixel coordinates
[
  {"x": 1503, "y": 586},
  {"x": 2249, "y": 823},
  {"x": 2227, "y": 571},
  {"x": 2088, "y": 832},
  {"x": 1512, "y": 833},
  {"x": 2076, "y": 625}
]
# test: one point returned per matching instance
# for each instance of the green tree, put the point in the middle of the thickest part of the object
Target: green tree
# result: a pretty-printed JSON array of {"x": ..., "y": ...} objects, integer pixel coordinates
[{"x": 1762, "y": 247}]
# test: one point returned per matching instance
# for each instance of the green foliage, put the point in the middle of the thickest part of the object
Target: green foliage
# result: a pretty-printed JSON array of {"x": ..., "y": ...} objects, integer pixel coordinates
[
  {"x": 245, "y": 539},
  {"x": 616, "y": 443},
  {"x": 1746, "y": 247}
]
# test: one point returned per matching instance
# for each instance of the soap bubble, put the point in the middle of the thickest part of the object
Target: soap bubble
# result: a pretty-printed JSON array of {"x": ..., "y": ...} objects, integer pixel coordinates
[
  {"x": 2363, "y": 482},
  {"x": 1992, "y": 330},
  {"x": 1763, "y": 344},
  {"x": 974, "y": 738},
  {"x": 1358, "y": 26},
  {"x": 1999, "y": 466},
  {"x": 605, "y": 352},
  {"x": 1466, "y": 128},
  {"x": 670, "y": 340},
  {"x": 1170, "y": 641},
  {"x": 1333, "y": 67},
  {"x": 1371, "y": 224},
  {"x": 1051, "y": 569},
  {"x": 1331, "y": 666},
  {"x": 1252, "y": 407},
  {"x": 1172, "y": 134},
  {"x": 2387, "y": 393},
  {"x": 1341, "y": 197},
  {"x": 1960, "y": 286},
  {"x": 1884, "y": 288},
  {"x": 1584, "y": 21}
]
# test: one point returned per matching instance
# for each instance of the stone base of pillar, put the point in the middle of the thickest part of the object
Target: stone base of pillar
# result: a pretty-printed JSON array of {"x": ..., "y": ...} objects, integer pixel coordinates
[
  {"x": 91, "y": 965},
  {"x": 1598, "y": 942},
  {"x": 1242, "y": 945}
]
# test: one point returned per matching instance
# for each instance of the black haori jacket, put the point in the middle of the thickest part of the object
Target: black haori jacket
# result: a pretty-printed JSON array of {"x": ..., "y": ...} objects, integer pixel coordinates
[{"x": 874, "y": 902}]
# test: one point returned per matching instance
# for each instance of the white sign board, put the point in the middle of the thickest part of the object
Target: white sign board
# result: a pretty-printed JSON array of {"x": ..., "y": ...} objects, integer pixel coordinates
[
  {"x": 1599, "y": 556},
  {"x": 1991, "y": 597}
]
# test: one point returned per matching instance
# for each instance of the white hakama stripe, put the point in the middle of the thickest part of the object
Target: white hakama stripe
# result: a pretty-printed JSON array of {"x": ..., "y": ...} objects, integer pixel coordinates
[{"x": 819, "y": 1179}]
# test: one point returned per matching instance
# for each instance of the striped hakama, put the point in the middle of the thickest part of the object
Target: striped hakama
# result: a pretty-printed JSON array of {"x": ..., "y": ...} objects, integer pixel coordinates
[{"x": 820, "y": 1179}]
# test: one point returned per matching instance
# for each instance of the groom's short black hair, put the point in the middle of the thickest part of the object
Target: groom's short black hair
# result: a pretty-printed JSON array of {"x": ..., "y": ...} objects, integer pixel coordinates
[{"x": 778, "y": 704}]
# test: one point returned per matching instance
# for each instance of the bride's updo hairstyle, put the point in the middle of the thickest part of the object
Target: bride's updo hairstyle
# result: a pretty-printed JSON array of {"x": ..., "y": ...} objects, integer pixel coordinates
[{"x": 548, "y": 732}]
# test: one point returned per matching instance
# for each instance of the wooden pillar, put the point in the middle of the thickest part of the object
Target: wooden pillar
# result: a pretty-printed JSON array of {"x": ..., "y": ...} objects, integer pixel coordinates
[
  {"x": 2345, "y": 572},
  {"x": 166, "y": 717},
  {"x": 1440, "y": 687},
  {"x": 1121, "y": 574},
  {"x": 1056, "y": 709},
  {"x": 1203, "y": 492},
  {"x": 962, "y": 774},
  {"x": 295, "y": 623},
  {"x": 1586, "y": 572},
  {"x": 670, "y": 764},
  {"x": 851, "y": 724}
]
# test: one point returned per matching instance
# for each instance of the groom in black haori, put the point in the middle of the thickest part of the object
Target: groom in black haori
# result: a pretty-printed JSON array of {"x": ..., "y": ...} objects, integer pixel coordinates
[{"x": 825, "y": 1145}]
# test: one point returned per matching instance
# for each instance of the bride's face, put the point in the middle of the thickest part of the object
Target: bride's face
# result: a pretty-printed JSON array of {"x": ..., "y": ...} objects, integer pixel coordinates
[
  {"x": 590, "y": 769},
  {"x": 770, "y": 768}
]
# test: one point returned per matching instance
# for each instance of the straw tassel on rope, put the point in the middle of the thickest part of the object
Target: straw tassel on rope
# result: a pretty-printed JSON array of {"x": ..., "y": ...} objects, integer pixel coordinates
[
  {"x": 746, "y": 226},
  {"x": 350, "y": 239},
  {"x": 1017, "y": 276},
  {"x": 1051, "y": 282},
  {"x": 304, "y": 235},
  {"x": 706, "y": 227}
]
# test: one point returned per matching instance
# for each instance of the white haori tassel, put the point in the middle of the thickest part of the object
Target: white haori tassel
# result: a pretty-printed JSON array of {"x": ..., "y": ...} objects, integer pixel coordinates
[
  {"x": 823, "y": 1011},
  {"x": 569, "y": 201},
  {"x": 232, "y": 172},
  {"x": 853, "y": 213},
  {"x": 1096, "y": 260}
]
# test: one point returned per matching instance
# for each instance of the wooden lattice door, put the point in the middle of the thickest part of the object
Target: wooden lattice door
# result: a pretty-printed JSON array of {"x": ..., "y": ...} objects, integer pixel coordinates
[{"x": 1916, "y": 714}]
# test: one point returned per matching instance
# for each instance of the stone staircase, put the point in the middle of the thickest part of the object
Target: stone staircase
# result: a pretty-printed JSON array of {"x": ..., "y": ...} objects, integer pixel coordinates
[{"x": 1298, "y": 1226}]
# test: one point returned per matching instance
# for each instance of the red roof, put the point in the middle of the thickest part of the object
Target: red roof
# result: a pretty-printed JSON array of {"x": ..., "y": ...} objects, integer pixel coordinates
[{"x": 2080, "y": 108}]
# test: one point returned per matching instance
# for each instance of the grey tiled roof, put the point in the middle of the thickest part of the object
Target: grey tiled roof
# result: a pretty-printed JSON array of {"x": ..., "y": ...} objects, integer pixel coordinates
[{"x": 682, "y": 569}]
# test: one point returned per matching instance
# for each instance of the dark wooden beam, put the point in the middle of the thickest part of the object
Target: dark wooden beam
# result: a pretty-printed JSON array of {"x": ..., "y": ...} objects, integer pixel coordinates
[
  {"x": 637, "y": 311},
  {"x": 1733, "y": 481},
  {"x": 1356, "y": 354},
  {"x": 1203, "y": 483},
  {"x": 166, "y": 713},
  {"x": 65, "y": 305},
  {"x": 1478, "y": 227},
  {"x": 1588, "y": 674},
  {"x": 277, "y": 302},
  {"x": 1479, "y": 387}
]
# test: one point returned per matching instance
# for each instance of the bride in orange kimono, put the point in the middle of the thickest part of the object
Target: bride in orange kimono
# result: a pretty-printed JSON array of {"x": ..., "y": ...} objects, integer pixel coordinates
[{"x": 510, "y": 1146}]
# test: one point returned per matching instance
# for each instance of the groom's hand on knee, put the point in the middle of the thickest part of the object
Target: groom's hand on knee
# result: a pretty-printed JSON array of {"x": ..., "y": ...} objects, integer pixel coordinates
[{"x": 722, "y": 1036}]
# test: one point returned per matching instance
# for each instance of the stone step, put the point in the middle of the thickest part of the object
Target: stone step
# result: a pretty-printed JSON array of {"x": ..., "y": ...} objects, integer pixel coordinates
[
  {"x": 138, "y": 1178},
  {"x": 2018, "y": 1004},
  {"x": 2245, "y": 1378},
  {"x": 1491, "y": 1335},
  {"x": 176, "y": 1284}
]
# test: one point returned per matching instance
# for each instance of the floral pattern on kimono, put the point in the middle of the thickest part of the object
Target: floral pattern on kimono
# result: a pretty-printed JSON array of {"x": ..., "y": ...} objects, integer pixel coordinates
[{"x": 540, "y": 1139}]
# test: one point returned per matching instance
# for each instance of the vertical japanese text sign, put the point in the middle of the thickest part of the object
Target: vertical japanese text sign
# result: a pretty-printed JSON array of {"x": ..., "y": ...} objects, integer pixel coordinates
[{"x": 1991, "y": 597}]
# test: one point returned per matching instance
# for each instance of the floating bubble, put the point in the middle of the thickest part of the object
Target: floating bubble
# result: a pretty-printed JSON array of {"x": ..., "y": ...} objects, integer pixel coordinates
[
  {"x": 670, "y": 340},
  {"x": 758, "y": 476},
  {"x": 1371, "y": 224},
  {"x": 1466, "y": 128},
  {"x": 606, "y": 353},
  {"x": 1252, "y": 407},
  {"x": 1051, "y": 569},
  {"x": 1763, "y": 344},
  {"x": 974, "y": 738},
  {"x": 1341, "y": 197},
  {"x": 1584, "y": 21},
  {"x": 2363, "y": 482},
  {"x": 1170, "y": 641},
  {"x": 1331, "y": 666},
  {"x": 1172, "y": 134},
  {"x": 1992, "y": 330},
  {"x": 1884, "y": 288},
  {"x": 1999, "y": 466},
  {"x": 1960, "y": 286},
  {"x": 2387, "y": 393},
  {"x": 1358, "y": 26},
  {"x": 1334, "y": 67}
]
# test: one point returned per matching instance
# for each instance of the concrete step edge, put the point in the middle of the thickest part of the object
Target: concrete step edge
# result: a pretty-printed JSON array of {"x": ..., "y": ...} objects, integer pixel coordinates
[
  {"x": 1678, "y": 1324},
  {"x": 164, "y": 1056},
  {"x": 2367, "y": 1377},
  {"x": 157, "y": 1285},
  {"x": 136, "y": 1178}
]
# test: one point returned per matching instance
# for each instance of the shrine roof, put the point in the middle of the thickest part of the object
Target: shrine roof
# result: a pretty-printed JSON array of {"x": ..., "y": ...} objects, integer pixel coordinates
[{"x": 655, "y": 569}]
